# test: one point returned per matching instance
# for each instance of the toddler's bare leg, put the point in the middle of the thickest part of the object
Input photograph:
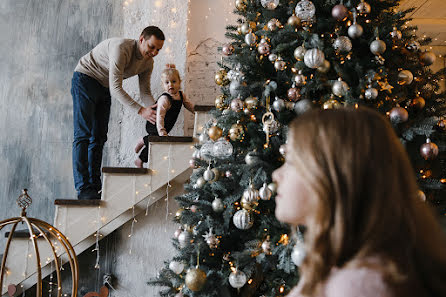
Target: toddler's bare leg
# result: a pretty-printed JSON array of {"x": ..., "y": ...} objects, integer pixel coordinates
[{"x": 139, "y": 145}]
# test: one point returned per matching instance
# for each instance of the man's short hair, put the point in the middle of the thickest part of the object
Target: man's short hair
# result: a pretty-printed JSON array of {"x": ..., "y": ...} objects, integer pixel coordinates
[{"x": 153, "y": 30}]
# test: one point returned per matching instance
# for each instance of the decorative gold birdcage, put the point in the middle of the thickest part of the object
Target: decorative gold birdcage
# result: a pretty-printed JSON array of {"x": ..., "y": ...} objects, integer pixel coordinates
[{"x": 37, "y": 228}]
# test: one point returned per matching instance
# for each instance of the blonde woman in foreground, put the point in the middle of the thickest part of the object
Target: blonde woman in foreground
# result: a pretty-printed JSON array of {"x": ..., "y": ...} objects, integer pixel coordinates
[{"x": 348, "y": 179}]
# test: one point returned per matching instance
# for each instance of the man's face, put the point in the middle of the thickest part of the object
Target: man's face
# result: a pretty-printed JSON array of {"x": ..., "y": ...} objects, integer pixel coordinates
[{"x": 150, "y": 47}]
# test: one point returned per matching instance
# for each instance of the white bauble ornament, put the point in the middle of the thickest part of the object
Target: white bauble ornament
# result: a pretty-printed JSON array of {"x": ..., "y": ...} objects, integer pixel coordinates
[
  {"x": 355, "y": 31},
  {"x": 208, "y": 175},
  {"x": 200, "y": 183},
  {"x": 305, "y": 10},
  {"x": 265, "y": 193},
  {"x": 272, "y": 57},
  {"x": 203, "y": 137},
  {"x": 196, "y": 154},
  {"x": 340, "y": 88},
  {"x": 270, "y": 4},
  {"x": 222, "y": 149},
  {"x": 377, "y": 47},
  {"x": 280, "y": 64},
  {"x": 251, "y": 194},
  {"x": 176, "y": 267},
  {"x": 238, "y": 89},
  {"x": 314, "y": 58},
  {"x": 371, "y": 93},
  {"x": 278, "y": 104},
  {"x": 299, "y": 53},
  {"x": 217, "y": 205},
  {"x": 184, "y": 239},
  {"x": 237, "y": 279},
  {"x": 342, "y": 44},
  {"x": 243, "y": 219},
  {"x": 298, "y": 254},
  {"x": 245, "y": 28},
  {"x": 250, "y": 39},
  {"x": 206, "y": 150}
]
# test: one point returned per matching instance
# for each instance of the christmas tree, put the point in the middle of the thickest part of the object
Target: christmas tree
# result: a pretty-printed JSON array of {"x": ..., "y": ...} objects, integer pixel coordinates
[{"x": 284, "y": 58}]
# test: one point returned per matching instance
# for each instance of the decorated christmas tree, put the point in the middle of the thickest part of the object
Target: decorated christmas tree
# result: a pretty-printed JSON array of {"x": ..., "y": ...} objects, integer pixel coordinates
[{"x": 284, "y": 58}]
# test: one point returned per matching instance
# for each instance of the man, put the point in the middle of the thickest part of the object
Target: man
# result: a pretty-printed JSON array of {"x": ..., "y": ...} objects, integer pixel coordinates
[{"x": 98, "y": 77}]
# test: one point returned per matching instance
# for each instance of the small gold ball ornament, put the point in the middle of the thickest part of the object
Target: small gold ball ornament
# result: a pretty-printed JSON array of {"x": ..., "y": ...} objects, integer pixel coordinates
[
  {"x": 294, "y": 21},
  {"x": 221, "y": 77},
  {"x": 220, "y": 102},
  {"x": 236, "y": 132},
  {"x": 215, "y": 132},
  {"x": 331, "y": 104},
  {"x": 241, "y": 4},
  {"x": 195, "y": 279}
]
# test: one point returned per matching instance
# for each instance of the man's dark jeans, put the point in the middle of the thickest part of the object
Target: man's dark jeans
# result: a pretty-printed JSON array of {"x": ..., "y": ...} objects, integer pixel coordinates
[{"x": 91, "y": 113}]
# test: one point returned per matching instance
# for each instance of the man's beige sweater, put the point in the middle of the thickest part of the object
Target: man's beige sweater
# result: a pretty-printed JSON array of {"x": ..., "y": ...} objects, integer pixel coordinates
[{"x": 116, "y": 59}]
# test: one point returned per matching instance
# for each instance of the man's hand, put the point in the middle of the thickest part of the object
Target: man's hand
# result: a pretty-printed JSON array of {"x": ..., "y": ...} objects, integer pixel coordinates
[{"x": 149, "y": 113}]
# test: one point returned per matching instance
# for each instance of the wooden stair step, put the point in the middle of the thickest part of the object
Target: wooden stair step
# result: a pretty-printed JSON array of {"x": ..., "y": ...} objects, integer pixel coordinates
[
  {"x": 76, "y": 202},
  {"x": 126, "y": 170},
  {"x": 204, "y": 107},
  {"x": 23, "y": 234},
  {"x": 176, "y": 139}
]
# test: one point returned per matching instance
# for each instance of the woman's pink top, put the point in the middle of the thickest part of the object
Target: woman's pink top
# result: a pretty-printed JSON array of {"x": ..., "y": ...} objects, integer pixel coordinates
[{"x": 352, "y": 282}]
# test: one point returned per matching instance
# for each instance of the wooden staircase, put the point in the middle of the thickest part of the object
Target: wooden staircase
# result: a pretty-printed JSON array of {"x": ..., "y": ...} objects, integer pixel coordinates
[{"x": 125, "y": 193}]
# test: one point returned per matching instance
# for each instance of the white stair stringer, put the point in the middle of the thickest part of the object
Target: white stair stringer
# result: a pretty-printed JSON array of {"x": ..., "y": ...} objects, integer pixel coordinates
[{"x": 123, "y": 197}]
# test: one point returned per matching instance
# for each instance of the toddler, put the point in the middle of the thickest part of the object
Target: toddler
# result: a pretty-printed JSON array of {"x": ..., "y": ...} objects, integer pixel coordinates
[{"x": 168, "y": 107}]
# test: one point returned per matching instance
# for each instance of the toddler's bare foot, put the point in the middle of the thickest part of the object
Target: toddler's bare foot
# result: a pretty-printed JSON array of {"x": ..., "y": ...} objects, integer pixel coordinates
[
  {"x": 139, "y": 145},
  {"x": 139, "y": 163}
]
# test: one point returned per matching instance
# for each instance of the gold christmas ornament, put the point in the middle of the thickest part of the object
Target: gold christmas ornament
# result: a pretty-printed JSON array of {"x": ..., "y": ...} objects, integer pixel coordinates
[
  {"x": 195, "y": 279},
  {"x": 331, "y": 104},
  {"x": 215, "y": 132},
  {"x": 294, "y": 21},
  {"x": 236, "y": 132},
  {"x": 220, "y": 102},
  {"x": 427, "y": 58},
  {"x": 418, "y": 102},
  {"x": 251, "y": 102},
  {"x": 241, "y": 4},
  {"x": 179, "y": 212},
  {"x": 405, "y": 77},
  {"x": 221, "y": 77},
  {"x": 248, "y": 205}
]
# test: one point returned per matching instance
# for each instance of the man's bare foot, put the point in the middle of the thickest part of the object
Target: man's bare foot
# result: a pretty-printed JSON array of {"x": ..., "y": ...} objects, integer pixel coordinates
[
  {"x": 139, "y": 163},
  {"x": 139, "y": 145}
]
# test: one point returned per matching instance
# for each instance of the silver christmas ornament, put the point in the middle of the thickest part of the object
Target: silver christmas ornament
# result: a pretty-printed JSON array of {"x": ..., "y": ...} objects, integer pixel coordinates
[
  {"x": 280, "y": 64},
  {"x": 339, "y": 12},
  {"x": 227, "y": 49},
  {"x": 299, "y": 79},
  {"x": 222, "y": 149},
  {"x": 405, "y": 77},
  {"x": 208, "y": 175},
  {"x": 398, "y": 115},
  {"x": 265, "y": 193},
  {"x": 342, "y": 44},
  {"x": 270, "y": 4},
  {"x": 302, "y": 106},
  {"x": 176, "y": 267},
  {"x": 236, "y": 104},
  {"x": 184, "y": 239},
  {"x": 217, "y": 205},
  {"x": 396, "y": 34},
  {"x": 250, "y": 39},
  {"x": 299, "y": 53},
  {"x": 200, "y": 183},
  {"x": 273, "y": 24},
  {"x": 203, "y": 138},
  {"x": 278, "y": 104},
  {"x": 245, "y": 28},
  {"x": 355, "y": 31},
  {"x": 263, "y": 48},
  {"x": 413, "y": 46},
  {"x": 314, "y": 58},
  {"x": 272, "y": 57},
  {"x": 238, "y": 89},
  {"x": 363, "y": 8},
  {"x": 206, "y": 150},
  {"x": 371, "y": 93},
  {"x": 251, "y": 159},
  {"x": 243, "y": 219},
  {"x": 305, "y": 10},
  {"x": 196, "y": 154},
  {"x": 251, "y": 194},
  {"x": 339, "y": 88},
  {"x": 273, "y": 187},
  {"x": 378, "y": 47},
  {"x": 237, "y": 279},
  {"x": 298, "y": 254}
]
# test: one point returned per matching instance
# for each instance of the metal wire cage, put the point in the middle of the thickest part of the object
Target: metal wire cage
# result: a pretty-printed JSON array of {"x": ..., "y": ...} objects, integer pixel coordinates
[{"x": 37, "y": 228}]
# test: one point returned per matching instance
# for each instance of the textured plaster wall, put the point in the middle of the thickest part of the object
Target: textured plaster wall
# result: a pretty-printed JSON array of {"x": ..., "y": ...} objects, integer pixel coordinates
[{"x": 41, "y": 42}]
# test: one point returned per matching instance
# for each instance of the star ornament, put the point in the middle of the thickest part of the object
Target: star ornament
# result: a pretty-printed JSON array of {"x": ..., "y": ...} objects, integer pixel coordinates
[{"x": 385, "y": 86}]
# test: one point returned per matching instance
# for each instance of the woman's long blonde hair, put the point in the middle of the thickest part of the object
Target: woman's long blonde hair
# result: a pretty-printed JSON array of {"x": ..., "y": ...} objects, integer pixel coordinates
[{"x": 367, "y": 203}]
